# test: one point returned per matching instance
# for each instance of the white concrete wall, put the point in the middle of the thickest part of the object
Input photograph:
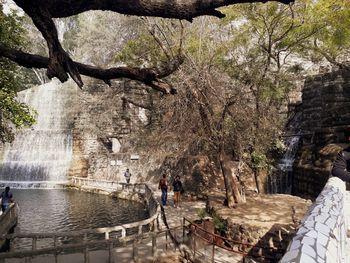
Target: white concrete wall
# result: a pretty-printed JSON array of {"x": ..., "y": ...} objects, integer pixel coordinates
[{"x": 321, "y": 236}]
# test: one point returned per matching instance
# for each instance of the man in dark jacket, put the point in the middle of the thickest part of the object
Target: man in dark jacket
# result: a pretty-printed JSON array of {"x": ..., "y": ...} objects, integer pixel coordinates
[{"x": 341, "y": 165}]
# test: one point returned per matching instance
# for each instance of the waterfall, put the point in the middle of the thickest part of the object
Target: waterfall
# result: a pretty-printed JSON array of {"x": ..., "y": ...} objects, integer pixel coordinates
[
  {"x": 280, "y": 180},
  {"x": 40, "y": 156}
]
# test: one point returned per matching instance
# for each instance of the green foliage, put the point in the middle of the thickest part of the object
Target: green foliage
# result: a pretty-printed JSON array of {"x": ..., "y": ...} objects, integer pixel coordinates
[
  {"x": 201, "y": 213},
  {"x": 259, "y": 160},
  {"x": 13, "y": 114},
  {"x": 220, "y": 224}
]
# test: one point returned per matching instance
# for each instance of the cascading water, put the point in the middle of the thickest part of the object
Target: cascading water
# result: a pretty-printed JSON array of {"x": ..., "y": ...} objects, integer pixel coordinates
[
  {"x": 40, "y": 156},
  {"x": 280, "y": 181}
]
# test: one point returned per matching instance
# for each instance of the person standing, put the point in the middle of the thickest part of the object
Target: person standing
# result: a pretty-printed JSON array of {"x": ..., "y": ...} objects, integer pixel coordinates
[
  {"x": 127, "y": 176},
  {"x": 341, "y": 165},
  {"x": 177, "y": 187},
  {"x": 6, "y": 198},
  {"x": 163, "y": 186}
]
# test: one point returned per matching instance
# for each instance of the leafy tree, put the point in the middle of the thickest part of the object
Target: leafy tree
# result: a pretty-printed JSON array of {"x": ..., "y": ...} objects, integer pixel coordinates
[
  {"x": 329, "y": 19},
  {"x": 13, "y": 114}
]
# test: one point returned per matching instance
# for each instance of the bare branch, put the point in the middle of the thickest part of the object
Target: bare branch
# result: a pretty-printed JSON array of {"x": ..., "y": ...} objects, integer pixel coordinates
[{"x": 149, "y": 76}]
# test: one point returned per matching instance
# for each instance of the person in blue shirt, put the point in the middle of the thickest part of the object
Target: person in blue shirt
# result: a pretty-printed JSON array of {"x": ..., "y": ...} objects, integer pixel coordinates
[{"x": 6, "y": 199}]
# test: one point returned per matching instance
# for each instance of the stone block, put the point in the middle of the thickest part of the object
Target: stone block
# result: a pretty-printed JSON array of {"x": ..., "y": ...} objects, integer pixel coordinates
[
  {"x": 305, "y": 258},
  {"x": 322, "y": 239},
  {"x": 308, "y": 241},
  {"x": 289, "y": 256},
  {"x": 324, "y": 229}
]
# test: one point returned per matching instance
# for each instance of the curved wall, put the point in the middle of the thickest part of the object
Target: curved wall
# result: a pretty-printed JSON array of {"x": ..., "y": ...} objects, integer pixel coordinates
[{"x": 322, "y": 234}]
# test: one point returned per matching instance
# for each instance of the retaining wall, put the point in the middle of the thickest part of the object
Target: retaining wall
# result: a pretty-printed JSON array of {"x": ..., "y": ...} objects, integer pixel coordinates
[{"x": 322, "y": 233}]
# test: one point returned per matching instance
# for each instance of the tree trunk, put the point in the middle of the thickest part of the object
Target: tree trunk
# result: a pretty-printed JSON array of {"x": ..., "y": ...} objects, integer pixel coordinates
[{"x": 232, "y": 185}]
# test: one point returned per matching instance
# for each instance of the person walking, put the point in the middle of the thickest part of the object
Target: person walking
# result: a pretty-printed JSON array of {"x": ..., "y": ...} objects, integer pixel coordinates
[
  {"x": 177, "y": 187},
  {"x": 127, "y": 176},
  {"x": 341, "y": 165},
  {"x": 163, "y": 186},
  {"x": 6, "y": 198}
]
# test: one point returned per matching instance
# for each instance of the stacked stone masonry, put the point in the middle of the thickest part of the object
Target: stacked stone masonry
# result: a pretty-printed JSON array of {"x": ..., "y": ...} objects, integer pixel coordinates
[{"x": 322, "y": 233}]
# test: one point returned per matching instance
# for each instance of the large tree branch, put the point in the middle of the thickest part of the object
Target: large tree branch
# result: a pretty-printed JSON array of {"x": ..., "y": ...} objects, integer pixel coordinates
[
  {"x": 180, "y": 9},
  {"x": 59, "y": 64},
  {"x": 149, "y": 76}
]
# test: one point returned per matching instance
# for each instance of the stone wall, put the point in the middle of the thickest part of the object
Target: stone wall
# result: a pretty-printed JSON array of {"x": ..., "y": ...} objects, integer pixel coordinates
[
  {"x": 102, "y": 134},
  {"x": 105, "y": 131},
  {"x": 325, "y": 114},
  {"x": 321, "y": 236}
]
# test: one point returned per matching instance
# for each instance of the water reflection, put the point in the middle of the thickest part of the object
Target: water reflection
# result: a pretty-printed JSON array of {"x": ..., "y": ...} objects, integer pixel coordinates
[{"x": 66, "y": 210}]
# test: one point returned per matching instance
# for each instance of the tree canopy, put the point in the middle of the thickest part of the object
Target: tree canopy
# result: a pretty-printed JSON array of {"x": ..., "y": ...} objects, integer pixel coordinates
[{"x": 13, "y": 114}]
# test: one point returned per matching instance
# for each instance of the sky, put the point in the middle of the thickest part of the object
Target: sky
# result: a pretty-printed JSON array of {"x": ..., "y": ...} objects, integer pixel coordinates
[{"x": 10, "y": 5}]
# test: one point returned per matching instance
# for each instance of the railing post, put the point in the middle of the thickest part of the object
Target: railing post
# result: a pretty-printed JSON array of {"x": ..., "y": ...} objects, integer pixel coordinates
[
  {"x": 34, "y": 243},
  {"x": 213, "y": 252},
  {"x": 110, "y": 253},
  {"x": 154, "y": 243},
  {"x": 140, "y": 230},
  {"x": 194, "y": 244},
  {"x": 86, "y": 254},
  {"x": 134, "y": 251},
  {"x": 166, "y": 240},
  {"x": 183, "y": 230}
]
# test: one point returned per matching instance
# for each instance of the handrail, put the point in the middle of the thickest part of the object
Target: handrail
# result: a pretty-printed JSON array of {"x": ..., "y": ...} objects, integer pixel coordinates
[
  {"x": 229, "y": 241},
  {"x": 65, "y": 247}
]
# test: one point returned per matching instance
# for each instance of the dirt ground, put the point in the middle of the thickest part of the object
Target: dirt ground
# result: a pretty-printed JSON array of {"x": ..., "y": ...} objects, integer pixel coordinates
[{"x": 263, "y": 210}]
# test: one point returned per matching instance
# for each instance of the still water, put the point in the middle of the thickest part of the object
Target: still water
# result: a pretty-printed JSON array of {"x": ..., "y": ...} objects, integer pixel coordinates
[{"x": 58, "y": 210}]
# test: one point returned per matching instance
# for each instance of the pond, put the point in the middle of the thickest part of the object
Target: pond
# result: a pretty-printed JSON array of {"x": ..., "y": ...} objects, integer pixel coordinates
[{"x": 58, "y": 210}]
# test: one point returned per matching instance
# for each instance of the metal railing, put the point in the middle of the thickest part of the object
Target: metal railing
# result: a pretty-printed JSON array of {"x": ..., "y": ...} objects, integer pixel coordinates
[{"x": 218, "y": 241}]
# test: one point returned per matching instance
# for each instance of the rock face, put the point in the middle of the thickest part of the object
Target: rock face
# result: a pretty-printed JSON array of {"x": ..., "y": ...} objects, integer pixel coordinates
[
  {"x": 325, "y": 114},
  {"x": 103, "y": 144}
]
